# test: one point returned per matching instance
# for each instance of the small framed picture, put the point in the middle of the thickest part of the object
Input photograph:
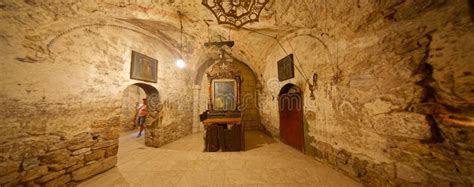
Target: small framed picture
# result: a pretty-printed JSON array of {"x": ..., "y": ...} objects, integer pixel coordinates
[
  {"x": 143, "y": 68},
  {"x": 286, "y": 68}
]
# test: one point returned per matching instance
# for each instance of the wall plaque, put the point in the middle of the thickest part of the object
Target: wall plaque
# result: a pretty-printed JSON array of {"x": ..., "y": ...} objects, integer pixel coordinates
[
  {"x": 286, "y": 68},
  {"x": 143, "y": 68}
]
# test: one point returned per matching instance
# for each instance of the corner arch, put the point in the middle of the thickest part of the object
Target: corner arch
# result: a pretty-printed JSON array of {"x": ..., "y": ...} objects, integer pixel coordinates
[
  {"x": 149, "y": 89},
  {"x": 287, "y": 88},
  {"x": 152, "y": 95}
]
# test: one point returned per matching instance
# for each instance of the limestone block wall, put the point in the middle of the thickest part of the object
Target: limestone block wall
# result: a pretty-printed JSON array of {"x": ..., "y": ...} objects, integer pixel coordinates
[
  {"x": 251, "y": 117},
  {"x": 63, "y": 80},
  {"x": 393, "y": 103}
]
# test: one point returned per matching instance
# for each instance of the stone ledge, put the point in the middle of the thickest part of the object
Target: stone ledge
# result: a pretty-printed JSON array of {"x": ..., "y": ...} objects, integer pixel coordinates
[
  {"x": 94, "y": 169},
  {"x": 391, "y": 174}
]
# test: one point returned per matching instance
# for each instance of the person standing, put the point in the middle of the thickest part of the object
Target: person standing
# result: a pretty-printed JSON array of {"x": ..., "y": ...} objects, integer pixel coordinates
[{"x": 141, "y": 116}]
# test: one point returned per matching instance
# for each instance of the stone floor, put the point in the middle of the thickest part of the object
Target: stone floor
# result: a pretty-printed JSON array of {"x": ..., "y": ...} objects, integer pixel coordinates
[{"x": 182, "y": 163}]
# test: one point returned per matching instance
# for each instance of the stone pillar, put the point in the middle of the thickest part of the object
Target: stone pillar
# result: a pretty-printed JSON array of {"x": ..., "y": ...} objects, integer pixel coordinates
[{"x": 196, "y": 122}]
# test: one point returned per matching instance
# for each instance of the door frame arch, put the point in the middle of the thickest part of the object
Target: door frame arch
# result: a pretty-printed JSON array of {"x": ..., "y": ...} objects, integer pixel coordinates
[{"x": 155, "y": 106}]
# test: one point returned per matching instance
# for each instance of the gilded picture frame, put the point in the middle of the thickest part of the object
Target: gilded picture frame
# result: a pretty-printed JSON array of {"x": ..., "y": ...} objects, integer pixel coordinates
[
  {"x": 224, "y": 94},
  {"x": 143, "y": 68}
]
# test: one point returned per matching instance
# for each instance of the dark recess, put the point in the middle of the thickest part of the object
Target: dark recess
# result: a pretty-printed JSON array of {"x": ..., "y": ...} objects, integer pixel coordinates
[
  {"x": 471, "y": 6},
  {"x": 430, "y": 96}
]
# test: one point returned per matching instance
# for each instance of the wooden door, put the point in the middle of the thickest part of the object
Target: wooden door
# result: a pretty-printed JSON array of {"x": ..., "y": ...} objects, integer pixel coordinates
[{"x": 291, "y": 120}]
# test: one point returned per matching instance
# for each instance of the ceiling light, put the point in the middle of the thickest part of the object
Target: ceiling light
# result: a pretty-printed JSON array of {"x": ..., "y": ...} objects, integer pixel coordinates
[{"x": 180, "y": 63}]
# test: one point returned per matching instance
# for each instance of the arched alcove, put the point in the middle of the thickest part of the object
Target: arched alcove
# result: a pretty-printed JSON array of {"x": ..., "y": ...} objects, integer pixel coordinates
[
  {"x": 204, "y": 67},
  {"x": 251, "y": 117}
]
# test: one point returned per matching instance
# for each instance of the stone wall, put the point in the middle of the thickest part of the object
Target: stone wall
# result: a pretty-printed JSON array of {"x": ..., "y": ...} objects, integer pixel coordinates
[
  {"x": 132, "y": 99},
  {"x": 63, "y": 78},
  {"x": 394, "y": 98},
  {"x": 32, "y": 154}
]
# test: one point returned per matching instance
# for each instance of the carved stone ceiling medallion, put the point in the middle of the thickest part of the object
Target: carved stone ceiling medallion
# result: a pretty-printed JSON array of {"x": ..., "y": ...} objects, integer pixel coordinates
[{"x": 235, "y": 12}]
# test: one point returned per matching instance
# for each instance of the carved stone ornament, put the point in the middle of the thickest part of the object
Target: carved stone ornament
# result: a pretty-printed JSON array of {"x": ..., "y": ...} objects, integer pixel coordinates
[
  {"x": 235, "y": 12},
  {"x": 223, "y": 70},
  {"x": 154, "y": 102}
]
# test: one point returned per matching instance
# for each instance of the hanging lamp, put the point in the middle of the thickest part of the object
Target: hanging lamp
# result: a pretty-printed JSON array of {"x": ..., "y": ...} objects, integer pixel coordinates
[{"x": 180, "y": 62}]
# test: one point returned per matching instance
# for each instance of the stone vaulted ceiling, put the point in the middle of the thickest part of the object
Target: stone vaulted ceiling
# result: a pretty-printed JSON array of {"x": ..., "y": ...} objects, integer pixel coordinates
[{"x": 279, "y": 19}]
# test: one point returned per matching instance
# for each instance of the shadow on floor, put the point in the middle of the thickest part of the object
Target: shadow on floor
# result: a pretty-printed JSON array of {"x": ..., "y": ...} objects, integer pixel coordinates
[
  {"x": 256, "y": 139},
  {"x": 195, "y": 142}
]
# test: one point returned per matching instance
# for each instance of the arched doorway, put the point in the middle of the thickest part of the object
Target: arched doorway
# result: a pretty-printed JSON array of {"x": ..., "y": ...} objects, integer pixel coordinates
[
  {"x": 129, "y": 142},
  {"x": 132, "y": 99},
  {"x": 290, "y": 107}
]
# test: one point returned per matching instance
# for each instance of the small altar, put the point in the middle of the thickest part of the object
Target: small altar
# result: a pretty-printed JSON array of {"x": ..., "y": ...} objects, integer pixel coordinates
[
  {"x": 222, "y": 121},
  {"x": 223, "y": 133}
]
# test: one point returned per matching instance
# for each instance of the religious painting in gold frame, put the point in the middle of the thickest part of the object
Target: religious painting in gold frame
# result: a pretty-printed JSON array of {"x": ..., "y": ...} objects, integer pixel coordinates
[
  {"x": 224, "y": 92},
  {"x": 143, "y": 68}
]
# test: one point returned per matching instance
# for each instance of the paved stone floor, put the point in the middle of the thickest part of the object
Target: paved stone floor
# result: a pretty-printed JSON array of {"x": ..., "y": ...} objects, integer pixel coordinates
[{"x": 266, "y": 162}]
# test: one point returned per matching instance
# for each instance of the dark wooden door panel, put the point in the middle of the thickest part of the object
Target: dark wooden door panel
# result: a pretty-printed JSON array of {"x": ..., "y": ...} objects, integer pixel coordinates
[{"x": 291, "y": 120}]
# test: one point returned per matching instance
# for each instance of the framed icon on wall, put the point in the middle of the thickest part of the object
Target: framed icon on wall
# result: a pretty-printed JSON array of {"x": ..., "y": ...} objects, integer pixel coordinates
[
  {"x": 143, "y": 68},
  {"x": 224, "y": 94},
  {"x": 286, "y": 68}
]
